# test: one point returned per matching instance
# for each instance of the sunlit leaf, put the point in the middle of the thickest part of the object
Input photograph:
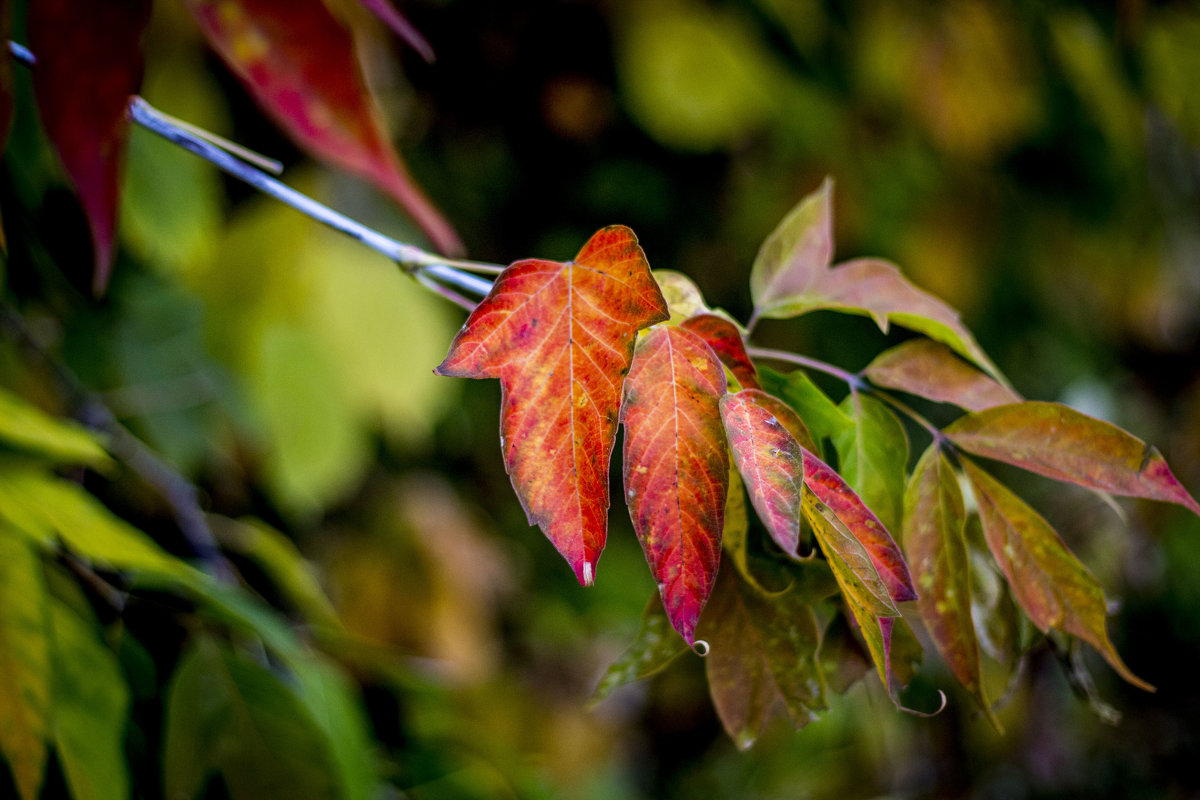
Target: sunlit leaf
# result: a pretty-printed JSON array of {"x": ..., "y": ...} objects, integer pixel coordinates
[
  {"x": 726, "y": 341},
  {"x": 873, "y": 456},
  {"x": 560, "y": 337},
  {"x": 682, "y": 295},
  {"x": 1061, "y": 443},
  {"x": 655, "y": 647},
  {"x": 25, "y": 427},
  {"x": 842, "y": 506},
  {"x": 935, "y": 543},
  {"x": 299, "y": 63},
  {"x": 25, "y": 664},
  {"x": 676, "y": 466},
  {"x": 91, "y": 709},
  {"x": 821, "y": 415},
  {"x": 83, "y": 82},
  {"x": 931, "y": 369},
  {"x": 229, "y": 715},
  {"x": 763, "y": 656},
  {"x": 770, "y": 461},
  {"x": 1051, "y": 584}
]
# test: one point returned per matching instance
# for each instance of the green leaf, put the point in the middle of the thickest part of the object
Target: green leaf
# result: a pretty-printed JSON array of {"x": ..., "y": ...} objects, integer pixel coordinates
[
  {"x": 763, "y": 653},
  {"x": 337, "y": 710},
  {"x": 1061, "y": 443},
  {"x": 229, "y": 715},
  {"x": 795, "y": 255},
  {"x": 47, "y": 509},
  {"x": 873, "y": 455},
  {"x": 91, "y": 709},
  {"x": 25, "y": 666},
  {"x": 935, "y": 543},
  {"x": 1050, "y": 583},
  {"x": 820, "y": 414},
  {"x": 656, "y": 646},
  {"x": 25, "y": 427},
  {"x": 852, "y": 566},
  {"x": 931, "y": 369}
]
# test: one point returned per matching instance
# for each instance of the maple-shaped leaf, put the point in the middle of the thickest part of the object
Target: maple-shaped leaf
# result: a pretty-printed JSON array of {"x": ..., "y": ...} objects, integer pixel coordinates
[
  {"x": 1050, "y": 583},
  {"x": 298, "y": 61},
  {"x": 726, "y": 341},
  {"x": 931, "y": 369},
  {"x": 764, "y": 436},
  {"x": 560, "y": 337},
  {"x": 763, "y": 656},
  {"x": 1062, "y": 443},
  {"x": 935, "y": 542},
  {"x": 676, "y": 467},
  {"x": 89, "y": 66},
  {"x": 792, "y": 276}
]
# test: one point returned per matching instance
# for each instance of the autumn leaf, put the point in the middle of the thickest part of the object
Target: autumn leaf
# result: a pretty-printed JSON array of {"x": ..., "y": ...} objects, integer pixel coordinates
[
  {"x": 935, "y": 542},
  {"x": 726, "y": 341},
  {"x": 560, "y": 337},
  {"x": 1050, "y": 583},
  {"x": 821, "y": 415},
  {"x": 845, "y": 508},
  {"x": 931, "y": 369},
  {"x": 792, "y": 276},
  {"x": 387, "y": 13},
  {"x": 770, "y": 461},
  {"x": 83, "y": 83},
  {"x": 676, "y": 467},
  {"x": 1064, "y": 444},
  {"x": 763, "y": 657},
  {"x": 655, "y": 647},
  {"x": 298, "y": 62}
]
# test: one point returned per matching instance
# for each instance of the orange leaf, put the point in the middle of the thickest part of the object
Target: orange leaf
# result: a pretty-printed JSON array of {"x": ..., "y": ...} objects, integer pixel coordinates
[
  {"x": 1051, "y": 584},
  {"x": 1061, "y": 443},
  {"x": 931, "y": 369},
  {"x": 560, "y": 338},
  {"x": 298, "y": 61},
  {"x": 762, "y": 434},
  {"x": 89, "y": 65},
  {"x": 725, "y": 340},
  {"x": 676, "y": 467}
]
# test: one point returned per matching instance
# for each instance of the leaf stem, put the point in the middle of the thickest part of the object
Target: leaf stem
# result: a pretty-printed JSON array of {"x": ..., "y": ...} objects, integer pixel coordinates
[
  {"x": 851, "y": 379},
  {"x": 912, "y": 414},
  {"x": 410, "y": 258}
]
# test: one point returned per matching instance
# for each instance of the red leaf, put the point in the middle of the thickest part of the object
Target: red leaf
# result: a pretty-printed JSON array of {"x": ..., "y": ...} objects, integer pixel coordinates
[
  {"x": 1061, "y": 443},
  {"x": 560, "y": 338},
  {"x": 769, "y": 459},
  {"x": 89, "y": 65},
  {"x": 676, "y": 467},
  {"x": 931, "y": 369},
  {"x": 299, "y": 63},
  {"x": 388, "y": 14},
  {"x": 1051, "y": 584},
  {"x": 726, "y": 341},
  {"x": 830, "y": 489}
]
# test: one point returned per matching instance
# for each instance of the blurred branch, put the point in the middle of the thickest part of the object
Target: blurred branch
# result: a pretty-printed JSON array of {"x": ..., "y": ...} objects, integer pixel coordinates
[{"x": 178, "y": 492}]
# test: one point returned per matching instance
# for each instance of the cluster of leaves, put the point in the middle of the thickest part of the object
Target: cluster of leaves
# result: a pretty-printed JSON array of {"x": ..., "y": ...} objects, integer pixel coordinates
[
  {"x": 297, "y": 59},
  {"x": 583, "y": 345}
]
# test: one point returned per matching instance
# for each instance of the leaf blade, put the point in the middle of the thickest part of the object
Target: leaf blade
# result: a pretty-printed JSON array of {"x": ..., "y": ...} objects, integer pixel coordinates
[
  {"x": 1061, "y": 443},
  {"x": 930, "y": 369},
  {"x": 794, "y": 255},
  {"x": 727, "y": 342},
  {"x": 651, "y": 652},
  {"x": 873, "y": 456},
  {"x": 524, "y": 333},
  {"x": 676, "y": 466}
]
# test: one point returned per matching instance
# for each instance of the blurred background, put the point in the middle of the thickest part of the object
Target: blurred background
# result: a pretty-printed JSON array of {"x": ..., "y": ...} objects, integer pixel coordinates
[{"x": 1036, "y": 164}]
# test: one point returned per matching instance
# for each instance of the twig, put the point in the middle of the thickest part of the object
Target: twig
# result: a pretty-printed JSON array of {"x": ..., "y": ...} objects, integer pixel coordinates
[{"x": 851, "y": 379}]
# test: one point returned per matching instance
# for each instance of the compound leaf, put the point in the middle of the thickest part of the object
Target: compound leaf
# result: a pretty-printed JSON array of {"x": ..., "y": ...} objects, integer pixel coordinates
[
  {"x": 560, "y": 338},
  {"x": 1062, "y": 443},
  {"x": 676, "y": 466}
]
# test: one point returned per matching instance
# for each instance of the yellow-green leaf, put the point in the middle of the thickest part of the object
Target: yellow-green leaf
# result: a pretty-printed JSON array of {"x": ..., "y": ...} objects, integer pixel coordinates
[
  {"x": 656, "y": 646},
  {"x": 28, "y": 428}
]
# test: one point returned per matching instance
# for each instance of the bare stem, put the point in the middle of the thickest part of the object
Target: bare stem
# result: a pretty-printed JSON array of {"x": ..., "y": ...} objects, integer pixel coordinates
[{"x": 850, "y": 378}]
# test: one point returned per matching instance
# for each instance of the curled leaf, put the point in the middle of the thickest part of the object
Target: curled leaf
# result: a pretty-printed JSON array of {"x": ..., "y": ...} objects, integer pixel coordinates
[
  {"x": 676, "y": 467},
  {"x": 1061, "y": 443},
  {"x": 560, "y": 338}
]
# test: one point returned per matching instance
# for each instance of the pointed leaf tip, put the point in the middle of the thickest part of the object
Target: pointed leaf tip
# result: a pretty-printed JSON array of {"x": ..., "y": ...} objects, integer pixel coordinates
[
  {"x": 560, "y": 337},
  {"x": 676, "y": 469}
]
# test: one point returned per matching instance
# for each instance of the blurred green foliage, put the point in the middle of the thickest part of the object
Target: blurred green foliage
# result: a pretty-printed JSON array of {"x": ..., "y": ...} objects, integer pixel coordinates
[{"x": 1034, "y": 164}]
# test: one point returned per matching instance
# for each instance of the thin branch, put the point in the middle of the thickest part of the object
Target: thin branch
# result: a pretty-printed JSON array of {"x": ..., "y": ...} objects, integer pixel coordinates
[{"x": 22, "y": 54}]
